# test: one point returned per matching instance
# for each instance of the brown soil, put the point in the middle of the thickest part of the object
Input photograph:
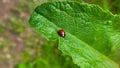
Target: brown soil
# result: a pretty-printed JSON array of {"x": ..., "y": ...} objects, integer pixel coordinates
[
  {"x": 5, "y": 6},
  {"x": 7, "y": 54}
]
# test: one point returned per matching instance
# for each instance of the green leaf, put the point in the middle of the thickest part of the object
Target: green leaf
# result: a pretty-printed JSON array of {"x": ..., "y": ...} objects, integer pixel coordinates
[
  {"x": 24, "y": 65},
  {"x": 92, "y": 34}
]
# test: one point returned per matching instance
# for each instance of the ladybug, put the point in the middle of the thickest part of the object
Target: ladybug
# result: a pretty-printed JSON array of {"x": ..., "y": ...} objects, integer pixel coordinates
[{"x": 61, "y": 33}]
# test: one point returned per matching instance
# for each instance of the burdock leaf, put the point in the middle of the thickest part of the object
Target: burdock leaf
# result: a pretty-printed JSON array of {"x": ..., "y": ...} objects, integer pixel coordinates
[{"x": 92, "y": 34}]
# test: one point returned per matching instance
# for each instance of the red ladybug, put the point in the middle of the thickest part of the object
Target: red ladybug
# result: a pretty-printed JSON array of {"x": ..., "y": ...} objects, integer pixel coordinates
[{"x": 61, "y": 33}]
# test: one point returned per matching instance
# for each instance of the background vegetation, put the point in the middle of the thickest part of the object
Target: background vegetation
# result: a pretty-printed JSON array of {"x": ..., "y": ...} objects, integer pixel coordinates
[{"x": 22, "y": 47}]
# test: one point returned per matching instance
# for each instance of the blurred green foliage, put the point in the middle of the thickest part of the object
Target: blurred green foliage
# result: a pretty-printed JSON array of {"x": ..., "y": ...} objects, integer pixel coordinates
[
  {"x": 112, "y": 5},
  {"x": 50, "y": 57},
  {"x": 4, "y": 37}
]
